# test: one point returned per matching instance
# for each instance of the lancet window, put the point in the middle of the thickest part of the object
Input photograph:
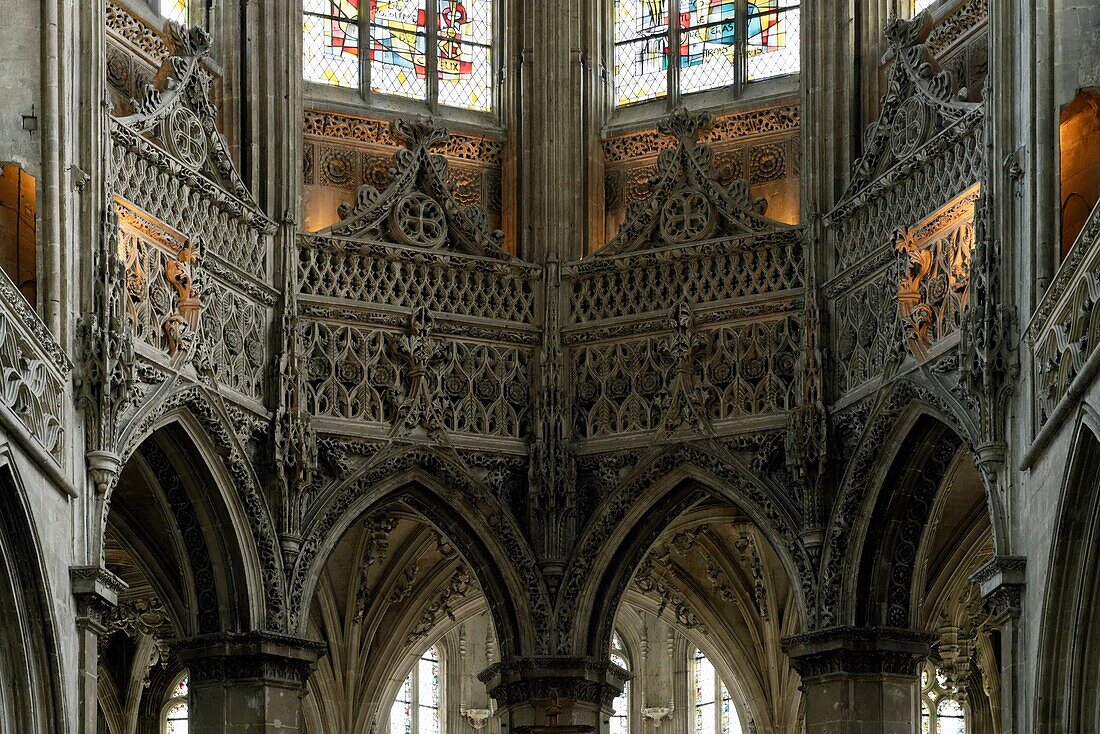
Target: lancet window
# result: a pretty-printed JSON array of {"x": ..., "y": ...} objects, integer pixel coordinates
[
  {"x": 942, "y": 710},
  {"x": 620, "y": 720},
  {"x": 708, "y": 44},
  {"x": 175, "y": 711},
  {"x": 418, "y": 707},
  {"x": 713, "y": 711},
  {"x": 439, "y": 52}
]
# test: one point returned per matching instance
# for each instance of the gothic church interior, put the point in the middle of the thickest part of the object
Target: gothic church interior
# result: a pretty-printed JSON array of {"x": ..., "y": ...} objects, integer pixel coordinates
[{"x": 533, "y": 366}]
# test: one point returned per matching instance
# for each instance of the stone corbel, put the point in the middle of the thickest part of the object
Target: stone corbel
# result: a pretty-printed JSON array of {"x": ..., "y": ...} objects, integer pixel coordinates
[
  {"x": 1002, "y": 583},
  {"x": 96, "y": 592},
  {"x": 478, "y": 717},
  {"x": 656, "y": 714}
]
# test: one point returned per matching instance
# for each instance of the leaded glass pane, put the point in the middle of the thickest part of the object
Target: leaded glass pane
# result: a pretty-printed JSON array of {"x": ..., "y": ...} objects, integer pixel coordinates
[
  {"x": 731, "y": 722},
  {"x": 429, "y": 694},
  {"x": 925, "y": 719},
  {"x": 465, "y": 54},
  {"x": 176, "y": 10},
  {"x": 950, "y": 717},
  {"x": 176, "y": 718},
  {"x": 399, "y": 41},
  {"x": 620, "y": 719},
  {"x": 641, "y": 50},
  {"x": 919, "y": 6},
  {"x": 708, "y": 46},
  {"x": 401, "y": 720},
  {"x": 772, "y": 40},
  {"x": 330, "y": 42}
]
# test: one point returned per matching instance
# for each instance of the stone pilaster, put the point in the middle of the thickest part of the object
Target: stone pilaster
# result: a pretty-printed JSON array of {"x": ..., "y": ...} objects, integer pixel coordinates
[
  {"x": 1002, "y": 584},
  {"x": 247, "y": 683},
  {"x": 860, "y": 680},
  {"x": 95, "y": 590},
  {"x": 553, "y": 690}
]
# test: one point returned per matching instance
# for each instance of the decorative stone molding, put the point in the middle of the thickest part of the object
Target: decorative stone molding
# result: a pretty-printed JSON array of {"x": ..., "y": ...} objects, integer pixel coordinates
[
  {"x": 854, "y": 651},
  {"x": 96, "y": 592},
  {"x": 686, "y": 203},
  {"x": 478, "y": 717},
  {"x": 1002, "y": 582},
  {"x": 418, "y": 209},
  {"x": 583, "y": 679},
  {"x": 233, "y": 658},
  {"x": 934, "y": 274}
]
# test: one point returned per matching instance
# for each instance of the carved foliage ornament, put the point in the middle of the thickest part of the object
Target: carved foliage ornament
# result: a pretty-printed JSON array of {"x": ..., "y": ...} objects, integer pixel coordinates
[
  {"x": 687, "y": 203},
  {"x": 934, "y": 274},
  {"x": 419, "y": 208}
]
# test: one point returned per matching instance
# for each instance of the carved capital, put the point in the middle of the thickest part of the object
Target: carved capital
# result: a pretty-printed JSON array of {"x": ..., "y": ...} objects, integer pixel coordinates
[
  {"x": 1002, "y": 584},
  {"x": 261, "y": 657},
  {"x": 860, "y": 652},
  {"x": 96, "y": 592},
  {"x": 541, "y": 679}
]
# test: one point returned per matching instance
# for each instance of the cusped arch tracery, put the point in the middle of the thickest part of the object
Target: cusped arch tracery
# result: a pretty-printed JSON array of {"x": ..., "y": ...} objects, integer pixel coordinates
[
  {"x": 464, "y": 513},
  {"x": 629, "y": 521}
]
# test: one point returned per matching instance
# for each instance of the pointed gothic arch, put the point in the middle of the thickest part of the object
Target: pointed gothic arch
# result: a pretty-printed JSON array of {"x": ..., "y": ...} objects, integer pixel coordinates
[
  {"x": 430, "y": 485},
  {"x": 31, "y": 697},
  {"x": 636, "y": 513},
  {"x": 1068, "y": 690}
]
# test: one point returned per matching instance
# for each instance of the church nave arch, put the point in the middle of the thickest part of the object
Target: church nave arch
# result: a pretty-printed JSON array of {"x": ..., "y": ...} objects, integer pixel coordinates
[
  {"x": 31, "y": 697},
  {"x": 1068, "y": 687}
]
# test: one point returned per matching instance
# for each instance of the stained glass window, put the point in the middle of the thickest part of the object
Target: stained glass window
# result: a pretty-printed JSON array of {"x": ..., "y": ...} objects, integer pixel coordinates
[
  {"x": 438, "y": 51},
  {"x": 714, "y": 710},
  {"x": 620, "y": 719},
  {"x": 942, "y": 709},
  {"x": 919, "y": 6},
  {"x": 702, "y": 48},
  {"x": 417, "y": 708},
  {"x": 176, "y": 10},
  {"x": 176, "y": 709},
  {"x": 330, "y": 42}
]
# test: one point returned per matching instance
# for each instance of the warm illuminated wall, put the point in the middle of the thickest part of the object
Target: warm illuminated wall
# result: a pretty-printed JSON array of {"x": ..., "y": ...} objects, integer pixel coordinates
[{"x": 1079, "y": 140}]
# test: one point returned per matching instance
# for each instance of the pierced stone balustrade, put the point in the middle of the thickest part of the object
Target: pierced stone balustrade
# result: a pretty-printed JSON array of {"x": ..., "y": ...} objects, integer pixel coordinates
[{"x": 1065, "y": 329}]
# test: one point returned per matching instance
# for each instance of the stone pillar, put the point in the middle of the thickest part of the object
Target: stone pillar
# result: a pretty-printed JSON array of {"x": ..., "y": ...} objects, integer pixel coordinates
[
  {"x": 247, "y": 682},
  {"x": 95, "y": 590},
  {"x": 860, "y": 680},
  {"x": 1002, "y": 584},
  {"x": 553, "y": 692}
]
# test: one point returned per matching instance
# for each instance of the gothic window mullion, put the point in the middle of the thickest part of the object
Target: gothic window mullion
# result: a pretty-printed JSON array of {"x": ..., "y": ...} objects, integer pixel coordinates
[
  {"x": 431, "y": 53},
  {"x": 673, "y": 95}
]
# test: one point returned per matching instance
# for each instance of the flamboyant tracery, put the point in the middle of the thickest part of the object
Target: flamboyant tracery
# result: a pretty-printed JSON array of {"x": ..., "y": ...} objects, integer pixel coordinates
[{"x": 505, "y": 367}]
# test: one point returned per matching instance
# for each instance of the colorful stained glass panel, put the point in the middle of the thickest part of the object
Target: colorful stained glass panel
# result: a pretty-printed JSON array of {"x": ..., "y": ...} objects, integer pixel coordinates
[
  {"x": 772, "y": 42},
  {"x": 330, "y": 42},
  {"x": 398, "y": 51},
  {"x": 176, "y": 10},
  {"x": 641, "y": 50},
  {"x": 464, "y": 54}
]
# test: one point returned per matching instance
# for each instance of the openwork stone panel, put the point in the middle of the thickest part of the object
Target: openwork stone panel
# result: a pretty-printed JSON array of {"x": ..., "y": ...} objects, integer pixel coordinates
[
  {"x": 1065, "y": 330},
  {"x": 183, "y": 201},
  {"x": 391, "y": 276},
  {"x": 33, "y": 369},
  {"x": 934, "y": 278},
  {"x": 866, "y": 332},
  {"x": 950, "y": 168},
  {"x": 739, "y": 370},
  {"x": 651, "y": 281},
  {"x": 234, "y": 338},
  {"x": 358, "y": 373}
]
